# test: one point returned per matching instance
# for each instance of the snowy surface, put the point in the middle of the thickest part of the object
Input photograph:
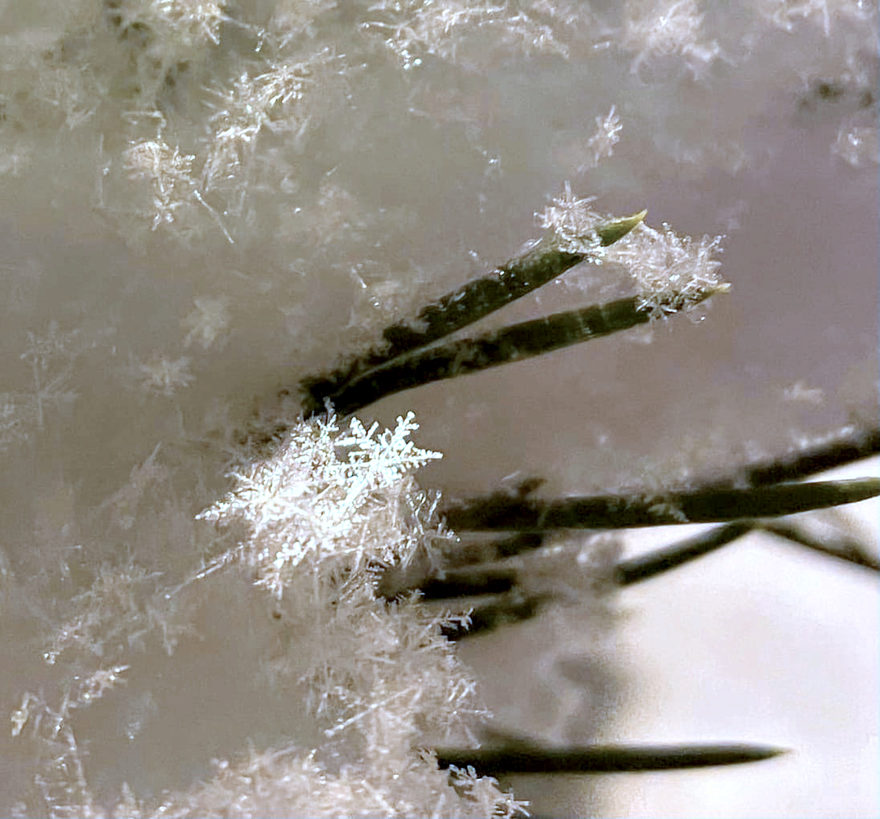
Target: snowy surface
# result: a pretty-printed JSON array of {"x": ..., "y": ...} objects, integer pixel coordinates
[{"x": 202, "y": 203}]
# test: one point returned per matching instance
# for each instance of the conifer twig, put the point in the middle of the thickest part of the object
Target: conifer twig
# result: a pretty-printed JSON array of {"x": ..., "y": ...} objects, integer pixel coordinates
[
  {"x": 501, "y": 512},
  {"x": 839, "y": 547},
  {"x": 527, "y": 758},
  {"x": 839, "y": 448},
  {"x": 507, "y": 609},
  {"x": 469, "y": 583},
  {"x": 486, "y": 551},
  {"x": 507, "y": 345},
  {"x": 542, "y": 262},
  {"x": 643, "y": 567}
]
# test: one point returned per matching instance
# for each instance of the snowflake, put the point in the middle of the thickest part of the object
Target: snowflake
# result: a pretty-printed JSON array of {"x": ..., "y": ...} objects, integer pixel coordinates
[
  {"x": 207, "y": 321},
  {"x": 332, "y": 503},
  {"x": 601, "y": 144},
  {"x": 273, "y": 100},
  {"x": 663, "y": 29},
  {"x": 417, "y": 28},
  {"x": 785, "y": 13},
  {"x": 15, "y": 421},
  {"x": 51, "y": 356},
  {"x": 194, "y": 20},
  {"x": 169, "y": 173},
  {"x": 165, "y": 376}
]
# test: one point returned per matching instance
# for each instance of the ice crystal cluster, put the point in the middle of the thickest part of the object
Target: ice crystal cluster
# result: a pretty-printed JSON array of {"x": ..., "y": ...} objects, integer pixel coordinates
[
  {"x": 669, "y": 271},
  {"x": 325, "y": 515},
  {"x": 321, "y": 519}
]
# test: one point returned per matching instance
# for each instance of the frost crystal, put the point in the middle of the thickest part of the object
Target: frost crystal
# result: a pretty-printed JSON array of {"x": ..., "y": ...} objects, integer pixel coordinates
[
  {"x": 332, "y": 503},
  {"x": 573, "y": 222},
  {"x": 323, "y": 514},
  {"x": 601, "y": 144},
  {"x": 661, "y": 29},
  {"x": 671, "y": 271},
  {"x": 164, "y": 375}
]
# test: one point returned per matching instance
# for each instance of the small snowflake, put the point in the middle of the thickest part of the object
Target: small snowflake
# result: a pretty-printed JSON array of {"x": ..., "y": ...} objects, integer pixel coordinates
[
  {"x": 206, "y": 321},
  {"x": 164, "y": 375},
  {"x": 601, "y": 144},
  {"x": 169, "y": 174}
]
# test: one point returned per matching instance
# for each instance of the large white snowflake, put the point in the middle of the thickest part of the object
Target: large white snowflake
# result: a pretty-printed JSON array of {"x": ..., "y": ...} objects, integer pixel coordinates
[{"x": 332, "y": 503}]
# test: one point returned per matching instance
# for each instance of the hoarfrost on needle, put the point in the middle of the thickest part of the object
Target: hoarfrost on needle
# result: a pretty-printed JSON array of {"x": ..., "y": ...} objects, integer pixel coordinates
[
  {"x": 573, "y": 222},
  {"x": 671, "y": 272}
]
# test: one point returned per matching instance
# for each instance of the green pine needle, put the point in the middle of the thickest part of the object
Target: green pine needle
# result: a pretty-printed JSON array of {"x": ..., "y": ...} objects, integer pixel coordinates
[
  {"x": 501, "y": 512},
  {"x": 527, "y": 758},
  {"x": 507, "y": 345},
  {"x": 541, "y": 263}
]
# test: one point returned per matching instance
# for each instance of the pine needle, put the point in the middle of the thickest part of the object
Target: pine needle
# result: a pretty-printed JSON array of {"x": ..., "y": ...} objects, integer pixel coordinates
[
  {"x": 501, "y": 512},
  {"x": 541, "y": 263},
  {"x": 507, "y": 345},
  {"x": 536, "y": 759}
]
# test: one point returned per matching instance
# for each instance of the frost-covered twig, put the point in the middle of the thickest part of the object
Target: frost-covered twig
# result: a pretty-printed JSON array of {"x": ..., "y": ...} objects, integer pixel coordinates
[
  {"x": 504, "y": 346},
  {"x": 466, "y": 583},
  {"x": 543, "y": 261},
  {"x": 486, "y": 551},
  {"x": 843, "y": 446},
  {"x": 671, "y": 273},
  {"x": 662, "y": 560},
  {"x": 505, "y": 609}
]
